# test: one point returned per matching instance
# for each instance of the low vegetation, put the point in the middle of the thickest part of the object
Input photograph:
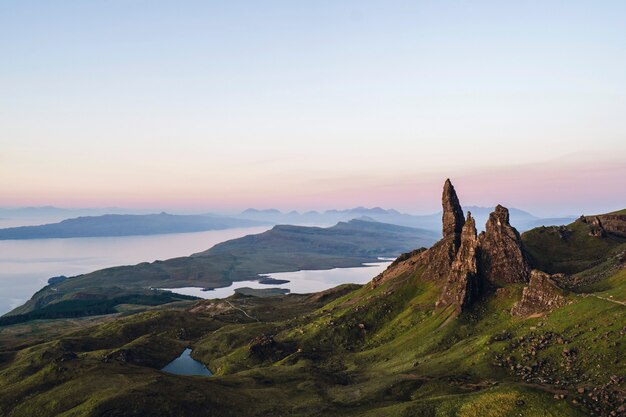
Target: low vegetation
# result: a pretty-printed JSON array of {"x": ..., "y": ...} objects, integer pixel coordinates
[{"x": 381, "y": 349}]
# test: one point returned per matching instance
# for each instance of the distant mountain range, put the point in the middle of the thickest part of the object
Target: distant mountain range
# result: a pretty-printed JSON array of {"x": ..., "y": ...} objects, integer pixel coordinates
[
  {"x": 522, "y": 220},
  {"x": 98, "y": 223},
  {"x": 126, "y": 225},
  {"x": 52, "y": 211}
]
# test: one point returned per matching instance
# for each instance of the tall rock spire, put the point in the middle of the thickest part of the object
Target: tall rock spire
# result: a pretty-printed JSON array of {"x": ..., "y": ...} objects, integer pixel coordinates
[
  {"x": 462, "y": 286},
  {"x": 502, "y": 258},
  {"x": 452, "y": 218},
  {"x": 439, "y": 258}
]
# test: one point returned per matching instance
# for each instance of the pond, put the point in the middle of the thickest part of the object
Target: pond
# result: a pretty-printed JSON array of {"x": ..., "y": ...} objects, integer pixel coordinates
[{"x": 186, "y": 365}]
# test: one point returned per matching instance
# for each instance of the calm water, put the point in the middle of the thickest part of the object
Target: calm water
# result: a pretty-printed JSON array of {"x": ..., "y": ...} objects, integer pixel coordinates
[
  {"x": 26, "y": 265},
  {"x": 301, "y": 282},
  {"x": 186, "y": 365}
]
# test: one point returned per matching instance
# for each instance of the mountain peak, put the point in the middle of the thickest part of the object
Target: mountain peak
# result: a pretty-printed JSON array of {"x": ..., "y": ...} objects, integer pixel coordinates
[
  {"x": 500, "y": 214},
  {"x": 452, "y": 217}
]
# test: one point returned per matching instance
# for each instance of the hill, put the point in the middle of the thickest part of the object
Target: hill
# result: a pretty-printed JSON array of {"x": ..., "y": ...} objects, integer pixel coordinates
[
  {"x": 466, "y": 328},
  {"x": 281, "y": 249},
  {"x": 125, "y": 225}
]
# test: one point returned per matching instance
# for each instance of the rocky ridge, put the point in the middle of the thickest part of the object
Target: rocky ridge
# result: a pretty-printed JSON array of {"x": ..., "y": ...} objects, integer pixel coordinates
[
  {"x": 605, "y": 224},
  {"x": 480, "y": 263},
  {"x": 468, "y": 266}
]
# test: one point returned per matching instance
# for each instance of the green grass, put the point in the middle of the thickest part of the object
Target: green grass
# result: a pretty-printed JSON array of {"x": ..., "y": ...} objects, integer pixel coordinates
[
  {"x": 408, "y": 358},
  {"x": 569, "y": 249}
]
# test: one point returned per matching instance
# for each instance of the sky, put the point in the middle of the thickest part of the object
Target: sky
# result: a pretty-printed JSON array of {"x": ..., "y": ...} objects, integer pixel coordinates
[{"x": 220, "y": 106}]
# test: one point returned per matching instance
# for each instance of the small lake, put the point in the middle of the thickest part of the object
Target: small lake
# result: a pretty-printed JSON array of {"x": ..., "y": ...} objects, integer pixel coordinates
[
  {"x": 186, "y": 365},
  {"x": 301, "y": 282},
  {"x": 26, "y": 265}
]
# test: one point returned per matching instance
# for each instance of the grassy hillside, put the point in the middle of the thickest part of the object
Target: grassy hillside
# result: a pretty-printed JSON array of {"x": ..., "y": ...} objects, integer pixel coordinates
[
  {"x": 382, "y": 349},
  {"x": 348, "y": 352},
  {"x": 569, "y": 249}
]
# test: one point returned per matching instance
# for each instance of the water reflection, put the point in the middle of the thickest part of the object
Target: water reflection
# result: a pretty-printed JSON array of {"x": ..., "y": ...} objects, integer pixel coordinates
[
  {"x": 26, "y": 265},
  {"x": 301, "y": 282},
  {"x": 186, "y": 365}
]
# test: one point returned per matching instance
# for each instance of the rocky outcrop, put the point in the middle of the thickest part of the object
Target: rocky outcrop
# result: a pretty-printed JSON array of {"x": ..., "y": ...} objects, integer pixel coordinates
[
  {"x": 540, "y": 296},
  {"x": 463, "y": 264},
  {"x": 439, "y": 258},
  {"x": 605, "y": 224},
  {"x": 264, "y": 347},
  {"x": 502, "y": 258},
  {"x": 452, "y": 217},
  {"x": 462, "y": 286},
  {"x": 614, "y": 224},
  {"x": 595, "y": 226}
]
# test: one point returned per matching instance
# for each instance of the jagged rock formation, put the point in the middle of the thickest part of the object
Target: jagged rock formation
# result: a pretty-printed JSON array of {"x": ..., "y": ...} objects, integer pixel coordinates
[
  {"x": 614, "y": 224},
  {"x": 439, "y": 258},
  {"x": 540, "y": 296},
  {"x": 462, "y": 287},
  {"x": 502, "y": 258},
  {"x": 464, "y": 264},
  {"x": 452, "y": 218},
  {"x": 602, "y": 225},
  {"x": 595, "y": 226}
]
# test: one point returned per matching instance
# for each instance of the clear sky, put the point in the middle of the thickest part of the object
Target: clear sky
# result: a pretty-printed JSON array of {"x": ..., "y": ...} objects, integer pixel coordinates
[{"x": 194, "y": 105}]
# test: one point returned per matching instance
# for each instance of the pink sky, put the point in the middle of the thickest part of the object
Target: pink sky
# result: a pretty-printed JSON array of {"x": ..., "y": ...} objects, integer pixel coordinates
[
  {"x": 178, "y": 108},
  {"x": 570, "y": 185}
]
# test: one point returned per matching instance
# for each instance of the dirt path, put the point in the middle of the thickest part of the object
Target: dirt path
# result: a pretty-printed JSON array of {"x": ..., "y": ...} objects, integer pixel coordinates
[
  {"x": 622, "y": 303},
  {"x": 237, "y": 308}
]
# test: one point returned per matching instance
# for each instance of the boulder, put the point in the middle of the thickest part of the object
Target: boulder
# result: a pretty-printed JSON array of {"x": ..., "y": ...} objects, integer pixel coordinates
[{"x": 541, "y": 295}]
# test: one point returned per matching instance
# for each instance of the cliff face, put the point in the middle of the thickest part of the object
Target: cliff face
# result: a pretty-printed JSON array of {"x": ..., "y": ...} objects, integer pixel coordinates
[
  {"x": 502, "y": 258},
  {"x": 462, "y": 286},
  {"x": 452, "y": 218},
  {"x": 439, "y": 258},
  {"x": 614, "y": 224},
  {"x": 466, "y": 266},
  {"x": 540, "y": 296}
]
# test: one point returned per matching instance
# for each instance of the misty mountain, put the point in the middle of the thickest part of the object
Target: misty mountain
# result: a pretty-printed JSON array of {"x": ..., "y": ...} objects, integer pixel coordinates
[
  {"x": 126, "y": 225},
  {"x": 522, "y": 220},
  {"x": 39, "y": 212}
]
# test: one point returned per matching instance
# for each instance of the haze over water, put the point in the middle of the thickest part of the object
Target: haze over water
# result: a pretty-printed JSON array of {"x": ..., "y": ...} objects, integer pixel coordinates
[{"x": 26, "y": 265}]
